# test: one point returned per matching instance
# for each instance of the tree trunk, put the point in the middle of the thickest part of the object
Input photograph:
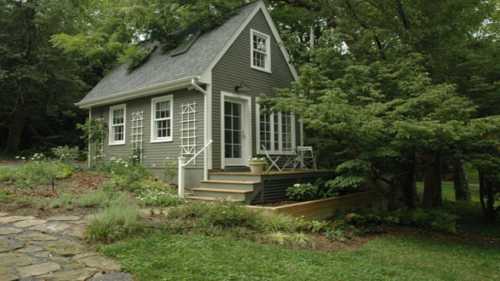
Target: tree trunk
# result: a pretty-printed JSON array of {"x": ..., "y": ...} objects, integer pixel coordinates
[
  {"x": 15, "y": 134},
  {"x": 409, "y": 184},
  {"x": 487, "y": 196},
  {"x": 460, "y": 181},
  {"x": 432, "y": 182}
]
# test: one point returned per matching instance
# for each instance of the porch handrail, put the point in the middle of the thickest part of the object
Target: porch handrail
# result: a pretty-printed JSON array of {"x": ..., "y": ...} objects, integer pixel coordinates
[{"x": 183, "y": 164}]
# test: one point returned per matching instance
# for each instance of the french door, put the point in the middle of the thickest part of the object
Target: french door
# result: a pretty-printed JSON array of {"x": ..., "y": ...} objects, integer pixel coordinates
[{"x": 233, "y": 133}]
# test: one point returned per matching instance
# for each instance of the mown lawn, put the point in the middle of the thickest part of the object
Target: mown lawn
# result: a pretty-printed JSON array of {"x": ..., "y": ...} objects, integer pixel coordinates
[
  {"x": 413, "y": 256},
  {"x": 161, "y": 257}
]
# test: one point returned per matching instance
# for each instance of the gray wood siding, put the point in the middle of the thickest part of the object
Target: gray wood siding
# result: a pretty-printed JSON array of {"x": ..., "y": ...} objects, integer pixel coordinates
[
  {"x": 235, "y": 68},
  {"x": 155, "y": 154}
]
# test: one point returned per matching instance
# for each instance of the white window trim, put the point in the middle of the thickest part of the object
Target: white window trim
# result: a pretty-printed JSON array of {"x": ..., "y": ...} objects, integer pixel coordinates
[
  {"x": 110, "y": 133},
  {"x": 280, "y": 135},
  {"x": 268, "y": 47},
  {"x": 170, "y": 138}
]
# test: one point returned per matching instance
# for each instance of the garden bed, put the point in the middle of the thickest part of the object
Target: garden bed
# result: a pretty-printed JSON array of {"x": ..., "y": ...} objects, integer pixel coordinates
[{"x": 324, "y": 208}]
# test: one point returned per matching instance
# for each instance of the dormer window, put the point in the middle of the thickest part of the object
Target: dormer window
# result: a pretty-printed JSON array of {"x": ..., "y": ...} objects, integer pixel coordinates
[{"x": 260, "y": 51}]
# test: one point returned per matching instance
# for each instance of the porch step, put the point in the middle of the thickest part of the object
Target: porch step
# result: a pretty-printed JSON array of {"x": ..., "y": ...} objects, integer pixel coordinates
[
  {"x": 201, "y": 198},
  {"x": 245, "y": 185},
  {"x": 234, "y": 176},
  {"x": 222, "y": 194}
]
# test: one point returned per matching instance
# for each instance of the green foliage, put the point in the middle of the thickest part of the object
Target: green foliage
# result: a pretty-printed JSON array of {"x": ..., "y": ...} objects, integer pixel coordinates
[
  {"x": 109, "y": 39},
  {"x": 36, "y": 173},
  {"x": 98, "y": 199},
  {"x": 157, "y": 198},
  {"x": 66, "y": 153},
  {"x": 121, "y": 219},
  {"x": 389, "y": 257},
  {"x": 7, "y": 174},
  {"x": 127, "y": 175},
  {"x": 94, "y": 130},
  {"x": 170, "y": 170},
  {"x": 438, "y": 220},
  {"x": 35, "y": 74},
  {"x": 302, "y": 192}
]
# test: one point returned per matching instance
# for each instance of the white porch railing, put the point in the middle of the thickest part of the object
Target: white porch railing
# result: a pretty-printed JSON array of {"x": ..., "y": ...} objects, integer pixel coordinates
[{"x": 183, "y": 164}]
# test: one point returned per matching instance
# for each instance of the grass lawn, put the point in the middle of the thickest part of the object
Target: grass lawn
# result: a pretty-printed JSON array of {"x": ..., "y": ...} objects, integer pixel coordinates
[
  {"x": 411, "y": 256},
  {"x": 163, "y": 257}
]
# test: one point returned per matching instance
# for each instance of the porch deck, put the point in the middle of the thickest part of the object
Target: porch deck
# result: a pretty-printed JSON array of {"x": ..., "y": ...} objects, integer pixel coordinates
[{"x": 244, "y": 186}]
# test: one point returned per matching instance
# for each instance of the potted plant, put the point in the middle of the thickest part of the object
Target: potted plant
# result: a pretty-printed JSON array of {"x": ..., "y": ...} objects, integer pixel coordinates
[{"x": 257, "y": 165}]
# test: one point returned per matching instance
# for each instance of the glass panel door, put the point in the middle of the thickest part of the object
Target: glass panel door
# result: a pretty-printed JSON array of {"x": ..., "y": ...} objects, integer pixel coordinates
[{"x": 233, "y": 133}]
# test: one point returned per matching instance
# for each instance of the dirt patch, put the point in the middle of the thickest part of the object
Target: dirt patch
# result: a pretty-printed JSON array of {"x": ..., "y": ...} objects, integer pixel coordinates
[{"x": 28, "y": 201}]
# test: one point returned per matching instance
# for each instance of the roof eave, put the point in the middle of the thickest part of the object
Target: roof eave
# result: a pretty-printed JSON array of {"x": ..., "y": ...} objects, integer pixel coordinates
[{"x": 143, "y": 92}]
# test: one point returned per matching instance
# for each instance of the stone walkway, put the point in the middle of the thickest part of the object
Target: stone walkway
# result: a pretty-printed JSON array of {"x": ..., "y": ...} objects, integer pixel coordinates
[{"x": 33, "y": 249}]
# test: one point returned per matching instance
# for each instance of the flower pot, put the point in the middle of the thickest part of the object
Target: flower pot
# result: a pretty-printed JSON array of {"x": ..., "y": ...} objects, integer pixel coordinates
[{"x": 257, "y": 167}]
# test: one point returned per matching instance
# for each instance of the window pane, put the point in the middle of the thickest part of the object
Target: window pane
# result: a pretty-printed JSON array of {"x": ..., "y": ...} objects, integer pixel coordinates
[
  {"x": 118, "y": 116},
  {"x": 236, "y": 151},
  {"x": 286, "y": 127},
  {"x": 265, "y": 129},
  {"x": 162, "y": 110}
]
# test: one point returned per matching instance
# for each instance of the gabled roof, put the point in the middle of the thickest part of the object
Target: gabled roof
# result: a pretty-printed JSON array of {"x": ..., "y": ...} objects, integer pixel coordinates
[{"x": 169, "y": 71}]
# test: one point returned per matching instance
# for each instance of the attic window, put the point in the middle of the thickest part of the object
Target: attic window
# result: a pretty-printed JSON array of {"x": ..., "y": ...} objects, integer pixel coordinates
[{"x": 260, "y": 51}]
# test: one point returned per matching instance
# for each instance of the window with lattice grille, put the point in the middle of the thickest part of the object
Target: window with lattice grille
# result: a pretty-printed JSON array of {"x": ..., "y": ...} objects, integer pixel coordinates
[
  {"x": 188, "y": 129},
  {"x": 137, "y": 135}
]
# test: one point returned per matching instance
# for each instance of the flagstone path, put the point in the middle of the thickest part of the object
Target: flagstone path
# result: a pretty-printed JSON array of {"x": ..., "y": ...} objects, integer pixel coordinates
[{"x": 51, "y": 249}]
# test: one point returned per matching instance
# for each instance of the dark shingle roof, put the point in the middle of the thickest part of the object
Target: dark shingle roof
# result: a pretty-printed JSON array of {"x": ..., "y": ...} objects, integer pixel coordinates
[{"x": 163, "y": 67}]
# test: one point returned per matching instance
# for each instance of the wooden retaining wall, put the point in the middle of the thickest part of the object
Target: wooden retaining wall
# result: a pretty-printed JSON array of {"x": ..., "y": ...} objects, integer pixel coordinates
[{"x": 325, "y": 208}]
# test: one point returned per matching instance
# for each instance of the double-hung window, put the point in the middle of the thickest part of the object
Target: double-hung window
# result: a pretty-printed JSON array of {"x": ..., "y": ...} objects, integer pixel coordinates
[
  {"x": 260, "y": 51},
  {"x": 162, "y": 110},
  {"x": 117, "y": 121},
  {"x": 276, "y": 132}
]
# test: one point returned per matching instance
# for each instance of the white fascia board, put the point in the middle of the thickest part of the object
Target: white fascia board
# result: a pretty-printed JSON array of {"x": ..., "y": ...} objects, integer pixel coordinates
[{"x": 148, "y": 91}]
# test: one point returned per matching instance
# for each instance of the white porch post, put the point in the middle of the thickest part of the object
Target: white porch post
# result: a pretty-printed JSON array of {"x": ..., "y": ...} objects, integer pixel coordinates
[
  {"x": 89, "y": 154},
  {"x": 180, "y": 177}
]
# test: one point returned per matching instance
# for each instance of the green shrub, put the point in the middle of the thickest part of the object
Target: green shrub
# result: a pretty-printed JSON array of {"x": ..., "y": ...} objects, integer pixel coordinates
[
  {"x": 294, "y": 240},
  {"x": 152, "y": 197},
  {"x": 62, "y": 201},
  {"x": 99, "y": 198},
  {"x": 40, "y": 172},
  {"x": 431, "y": 219},
  {"x": 121, "y": 219},
  {"x": 66, "y": 153},
  {"x": 228, "y": 215},
  {"x": 7, "y": 174},
  {"x": 302, "y": 192}
]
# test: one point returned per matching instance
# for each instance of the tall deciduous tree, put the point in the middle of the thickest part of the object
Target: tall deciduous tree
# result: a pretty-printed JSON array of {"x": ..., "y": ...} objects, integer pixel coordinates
[{"x": 38, "y": 84}]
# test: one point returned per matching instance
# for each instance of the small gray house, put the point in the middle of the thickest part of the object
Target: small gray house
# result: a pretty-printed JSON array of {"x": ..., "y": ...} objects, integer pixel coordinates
[{"x": 202, "y": 100}]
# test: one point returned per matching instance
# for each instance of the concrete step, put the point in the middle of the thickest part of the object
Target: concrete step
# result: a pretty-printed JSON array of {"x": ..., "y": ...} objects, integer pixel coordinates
[
  {"x": 211, "y": 199},
  {"x": 234, "y": 176},
  {"x": 230, "y": 184},
  {"x": 222, "y": 194}
]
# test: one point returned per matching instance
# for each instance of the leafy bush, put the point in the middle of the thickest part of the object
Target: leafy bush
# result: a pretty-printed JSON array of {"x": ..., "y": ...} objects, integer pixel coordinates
[
  {"x": 352, "y": 175},
  {"x": 99, "y": 198},
  {"x": 62, "y": 201},
  {"x": 294, "y": 240},
  {"x": 126, "y": 175},
  {"x": 121, "y": 219},
  {"x": 7, "y": 174},
  {"x": 36, "y": 173},
  {"x": 432, "y": 219},
  {"x": 153, "y": 197},
  {"x": 66, "y": 153},
  {"x": 302, "y": 192},
  {"x": 170, "y": 170}
]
